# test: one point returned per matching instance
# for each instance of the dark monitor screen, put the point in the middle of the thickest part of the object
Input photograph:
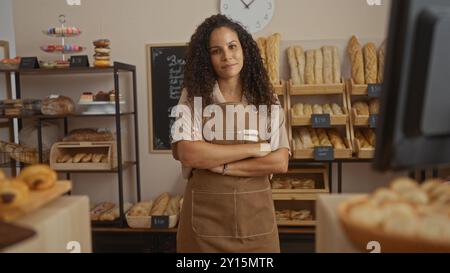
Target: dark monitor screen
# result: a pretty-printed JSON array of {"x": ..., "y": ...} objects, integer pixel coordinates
[{"x": 414, "y": 124}]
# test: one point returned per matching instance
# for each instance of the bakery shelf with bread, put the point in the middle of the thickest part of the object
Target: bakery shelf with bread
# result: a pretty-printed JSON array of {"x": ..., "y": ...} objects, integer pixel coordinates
[
  {"x": 404, "y": 217},
  {"x": 306, "y": 139},
  {"x": 269, "y": 48},
  {"x": 140, "y": 215},
  {"x": 367, "y": 65},
  {"x": 300, "y": 183},
  {"x": 364, "y": 140},
  {"x": 361, "y": 110},
  {"x": 295, "y": 212},
  {"x": 302, "y": 113}
]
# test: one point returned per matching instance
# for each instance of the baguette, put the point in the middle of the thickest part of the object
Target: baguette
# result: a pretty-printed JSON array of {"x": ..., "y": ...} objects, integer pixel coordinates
[
  {"x": 295, "y": 73},
  {"x": 361, "y": 108},
  {"x": 381, "y": 60},
  {"x": 356, "y": 60},
  {"x": 327, "y": 64},
  {"x": 141, "y": 209},
  {"x": 77, "y": 158},
  {"x": 306, "y": 138},
  {"x": 160, "y": 204},
  {"x": 318, "y": 66},
  {"x": 173, "y": 208},
  {"x": 374, "y": 106},
  {"x": 309, "y": 67},
  {"x": 261, "y": 42},
  {"x": 273, "y": 57},
  {"x": 371, "y": 63},
  {"x": 301, "y": 62},
  {"x": 336, "y": 65},
  {"x": 314, "y": 137}
]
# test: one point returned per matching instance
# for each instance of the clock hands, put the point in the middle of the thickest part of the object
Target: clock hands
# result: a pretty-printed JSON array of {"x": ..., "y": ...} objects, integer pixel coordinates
[
  {"x": 245, "y": 4},
  {"x": 249, "y": 4}
]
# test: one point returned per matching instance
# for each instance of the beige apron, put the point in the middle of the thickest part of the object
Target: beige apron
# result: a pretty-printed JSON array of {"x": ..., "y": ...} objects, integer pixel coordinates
[{"x": 227, "y": 214}]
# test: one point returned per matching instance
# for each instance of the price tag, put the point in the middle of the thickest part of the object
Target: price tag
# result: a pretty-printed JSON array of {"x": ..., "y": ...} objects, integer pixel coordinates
[
  {"x": 321, "y": 121},
  {"x": 29, "y": 63},
  {"x": 374, "y": 90},
  {"x": 324, "y": 153},
  {"x": 160, "y": 221},
  {"x": 373, "y": 119},
  {"x": 79, "y": 61}
]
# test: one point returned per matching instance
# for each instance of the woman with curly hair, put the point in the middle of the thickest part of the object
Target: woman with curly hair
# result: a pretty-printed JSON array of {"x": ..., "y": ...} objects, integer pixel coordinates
[{"x": 228, "y": 204}]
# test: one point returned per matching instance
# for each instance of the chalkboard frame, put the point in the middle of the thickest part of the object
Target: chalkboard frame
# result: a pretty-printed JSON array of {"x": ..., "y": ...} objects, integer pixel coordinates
[{"x": 148, "y": 49}]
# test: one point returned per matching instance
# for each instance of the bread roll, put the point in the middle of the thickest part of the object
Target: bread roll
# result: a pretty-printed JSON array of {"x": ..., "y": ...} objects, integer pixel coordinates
[
  {"x": 309, "y": 67},
  {"x": 327, "y": 109},
  {"x": 301, "y": 215},
  {"x": 323, "y": 138},
  {"x": 318, "y": 66},
  {"x": 283, "y": 215},
  {"x": 160, "y": 204},
  {"x": 301, "y": 62},
  {"x": 298, "y": 109},
  {"x": 97, "y": 158},
  {"x": 317, "y": 109},
  {"x": 336, "y": 139},
  {"x": 370, "y": 136},
  {"x": 13, "y": 193},
  {"x": 362, "y": 140},
  {"x": 336, "y": 65},
  {"x": 374, "y": 106},
  {"x": 327, "y": 64},
  {"x": 381, "y": 59},
  {"x": 337, "y": 110},
  {"x": 307, "y": 110},
  {"x": 361, "y": 108},
  {"x": 371, "y": 63},
  {"x": 306, "y": 138},
  {"x": 100, "y": 209},
  {"x": 273, "y": 57},
  {"x": 114, "y": 213},
  {"x": 141, "y": 209},
  {"x": 356, "y": 59},
  {"x": 314, "y": 137},
  {"x": 87, "y": 158},
  {"x": 295, "y": 74},
  {"x": 77, "y": 158},
  {"x": 261, "y": 42}
]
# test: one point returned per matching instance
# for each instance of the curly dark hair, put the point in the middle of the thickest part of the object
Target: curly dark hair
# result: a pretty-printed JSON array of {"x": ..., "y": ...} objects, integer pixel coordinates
[{"x": 200, "y": 77}]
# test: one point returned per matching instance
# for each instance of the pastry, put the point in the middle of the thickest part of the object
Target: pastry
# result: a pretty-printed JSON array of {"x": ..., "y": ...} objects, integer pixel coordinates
[
  {"x": 62, "y": 64},
  {"x": 87, "y": 97},
  {"x": 337, "y": 110},
  {"x": 356, "y": 59},
  {"x": 57, "y": 105},
  {"x": 374, "y": 106},
  {"x": 160, "y": 204},
  {"x": 371, "y": 63},
  {"x": 103, "y": 50},
  {"x": 13, "y": 193},
  {"x": 309, "y": 67},
  {"x": 362, "y": 109},
  {"x": 307, "y": 110},
  {"x": 318, "y": 66},
  {"x": 327, "y": 64},
  {"x": 295, "y": 74},
  {"x": 336, "y": 65},
  {"x": 102, "y": 63},
  {"x": 88, "y": 134},
  {"x": 173, "y": 208},
  {"x": 273, "y": 57},
  {"x": 306, "y": 138},
  {"x": 100, "y": 209},
  {"x": 261, "y": 42},
  {"x": 101, "y": 96},
  {"x": 301, "y": 215},
  {"x": 298, "y": 109},
  {"x": 38, "y": 177},
  {"x": 102, "y": 43},
  {"x": 301, "y": 62},
  {"x": 141, "y": 209},
  {"x": 317, "y": 109},
  {"x": 381, "y": 59},
  {"x": 283, "y": 215}
]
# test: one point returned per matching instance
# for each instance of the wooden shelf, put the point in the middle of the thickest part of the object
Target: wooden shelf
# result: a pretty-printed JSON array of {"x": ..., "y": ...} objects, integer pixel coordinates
[
  {"x": 125, "y": 166},
  {"x": 63, "y": 116},
  {"x": 316, "y": 89}
]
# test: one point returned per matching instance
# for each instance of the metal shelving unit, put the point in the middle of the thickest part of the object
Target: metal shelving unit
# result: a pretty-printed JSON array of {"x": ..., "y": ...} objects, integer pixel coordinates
[{"x": 114, "y": 71}]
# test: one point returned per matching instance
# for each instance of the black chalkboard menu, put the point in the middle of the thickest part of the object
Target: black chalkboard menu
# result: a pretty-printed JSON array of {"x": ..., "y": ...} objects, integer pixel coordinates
[{"x": 165, "y": 65}]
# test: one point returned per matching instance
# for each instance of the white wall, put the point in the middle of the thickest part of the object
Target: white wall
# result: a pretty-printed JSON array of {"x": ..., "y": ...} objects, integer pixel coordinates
[{"x": 133, "y": 24}]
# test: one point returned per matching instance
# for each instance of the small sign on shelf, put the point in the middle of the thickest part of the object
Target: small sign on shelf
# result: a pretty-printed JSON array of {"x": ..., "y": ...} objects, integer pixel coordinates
[
  {"x": 29, "y": 63},
  {"x": 325, "y": 153},
  {"x": 321, "y": 121},
  {"x": 79, "y": 61},
  {"x": 374, "y": 90},
  {"x": 160, "y": 221},
  {"x": 373, "y": 119}
]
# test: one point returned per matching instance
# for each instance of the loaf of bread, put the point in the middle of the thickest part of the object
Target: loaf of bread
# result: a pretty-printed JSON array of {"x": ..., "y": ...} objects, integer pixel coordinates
[
  {"x": 381, "y": 60},
  {"x": 327, "y": 109},
  {"x": 337, "y": 110},
  {"x": 88, "y": 134},
  {"x": 57, "y": 105},
  {"x": 336, "y": 65},
  {"x": 301, "y": 215},
  {"x": 160, "y": 204},
  {"x": 362, "y": 140},
  {"x": 317, "y": 109},
  {"x": 273, "y": 57},
  {"x": 309, "y": 67},
  {"x": 114, "y": 213},
  {"x": 370, "y": 136},
  {"x": 323, "y": 138},
  {"x": 306, "y": 138},
  {"x": 297, "y": 141},
  {"x": 100, "y": 209},
  {"x": 298, "y": 109},
  {"x": 295, "y": 73},
  {"x": 361, "y": 108},
  {"x": 374, "y": 106},
  {"x": 283, "y": 215},
  {"x": 371, "y": 63},
  {"x": 327, "y": 64},
  {"x": 318, "y": 66},
  {"x": 173, "y": 208},
  {"x": 314, "y": 137},
  {"x": 301, "y": 61},
  {"x": 356, "y": 59},
  {"x": 261, "y": 42},
  {"x": 307, "y": 110},
  {"x": 336, "y": 139},
  {"x": 141, "y": 209}
]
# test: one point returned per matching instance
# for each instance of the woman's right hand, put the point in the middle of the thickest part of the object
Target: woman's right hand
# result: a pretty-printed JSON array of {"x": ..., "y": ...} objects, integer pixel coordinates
[{"x": 261, "y": 149}]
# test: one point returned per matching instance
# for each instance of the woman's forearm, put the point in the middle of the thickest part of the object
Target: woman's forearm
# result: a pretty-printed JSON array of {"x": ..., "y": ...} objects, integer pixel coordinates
[
  {"x": 203, "y": 155},
  {"x": 275, "y": 162}
]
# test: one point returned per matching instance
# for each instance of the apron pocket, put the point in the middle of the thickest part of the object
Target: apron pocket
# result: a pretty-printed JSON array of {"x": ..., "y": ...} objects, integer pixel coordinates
[
  {"x": 213, "y": 214},
  {"x": 255, "y": 213}
]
